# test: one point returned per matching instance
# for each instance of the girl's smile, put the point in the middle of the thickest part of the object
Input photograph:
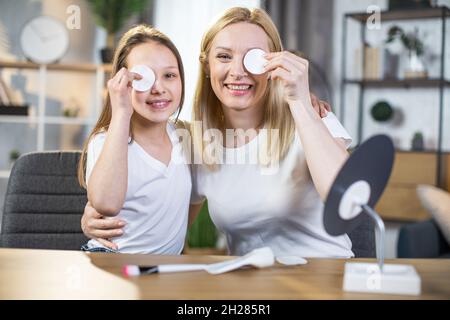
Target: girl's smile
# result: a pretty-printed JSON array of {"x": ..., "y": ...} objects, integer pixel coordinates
[{"x": 159, "y": 104}]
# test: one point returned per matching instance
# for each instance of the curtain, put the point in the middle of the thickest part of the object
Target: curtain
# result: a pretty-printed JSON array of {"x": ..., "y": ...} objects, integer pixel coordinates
[{"x": 307, "y": 26}]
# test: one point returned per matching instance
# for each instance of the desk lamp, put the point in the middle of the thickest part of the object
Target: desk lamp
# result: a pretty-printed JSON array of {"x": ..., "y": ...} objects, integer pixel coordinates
[{"x": 355, "y": 192}]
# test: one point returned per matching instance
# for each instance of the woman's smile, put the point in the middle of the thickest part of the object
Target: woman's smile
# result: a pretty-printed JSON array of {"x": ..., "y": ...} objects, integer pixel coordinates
[{"x": 238, "y": 89}]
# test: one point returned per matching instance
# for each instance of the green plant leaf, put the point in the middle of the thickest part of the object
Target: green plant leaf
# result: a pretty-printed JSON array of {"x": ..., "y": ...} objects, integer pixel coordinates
[
  {"x": 393, "y": 33},
  {"x": 112, "y": 14},
  {"x": 410, "y": 41},
  {"x": 14, "y": 155},
  {"x": 203, "y": 232},
  {"x": 381, "y": 111}
]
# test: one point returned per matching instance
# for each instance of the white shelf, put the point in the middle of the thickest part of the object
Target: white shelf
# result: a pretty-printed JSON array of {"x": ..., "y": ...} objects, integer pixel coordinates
[
  {"x": 4, "y": 174},
  {"x": 66, "y": 120},
  {"x": 46, "y": 120},
  {"x": 18, "y": 119},
  {"x": 74, "y": 67},
  {"x": 40, "y": 119}
]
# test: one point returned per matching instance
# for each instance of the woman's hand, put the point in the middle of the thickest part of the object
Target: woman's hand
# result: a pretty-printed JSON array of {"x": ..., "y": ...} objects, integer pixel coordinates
[
  {"x": 293, "y": 73},
  {"x": 119, "y": 88},
  {"x": 95, "y": 226}
]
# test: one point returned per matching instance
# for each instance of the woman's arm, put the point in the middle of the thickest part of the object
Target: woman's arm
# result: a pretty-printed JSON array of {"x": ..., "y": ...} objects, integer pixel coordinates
[
  {"x": 325, "y": 154},
  {"x": 95, "y": 226},
  {"x": 109, "y": 179}
]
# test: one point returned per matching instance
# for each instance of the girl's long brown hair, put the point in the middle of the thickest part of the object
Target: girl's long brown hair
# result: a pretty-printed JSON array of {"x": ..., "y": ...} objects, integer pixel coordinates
[{"x": 133, "y": 37}]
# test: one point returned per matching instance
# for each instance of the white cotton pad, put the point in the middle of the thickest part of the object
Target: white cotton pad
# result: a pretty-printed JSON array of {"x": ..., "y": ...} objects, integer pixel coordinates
[
  {"x": 148, "y": 78},
  {"x": 254, "y": 61}
]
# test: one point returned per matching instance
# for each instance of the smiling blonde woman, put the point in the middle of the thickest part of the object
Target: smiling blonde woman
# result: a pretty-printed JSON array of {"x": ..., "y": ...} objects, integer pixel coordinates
[{"x": 283, "y": 209}]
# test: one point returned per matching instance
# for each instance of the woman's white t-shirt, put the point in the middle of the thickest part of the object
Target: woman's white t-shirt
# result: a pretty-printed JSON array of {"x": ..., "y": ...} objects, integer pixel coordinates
[
  {"x": 157, "y": 199},
  {"x": 279, "y": 208}
]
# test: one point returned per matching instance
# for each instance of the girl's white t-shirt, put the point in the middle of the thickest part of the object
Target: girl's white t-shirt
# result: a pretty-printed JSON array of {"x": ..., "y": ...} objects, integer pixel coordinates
[
  {"x": 157, "y": 199},
  {"x": 280, "y": 207}
]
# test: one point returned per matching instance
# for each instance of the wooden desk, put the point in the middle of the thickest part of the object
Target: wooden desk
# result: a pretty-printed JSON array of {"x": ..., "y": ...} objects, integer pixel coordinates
[{"x": 47, "y": 274}]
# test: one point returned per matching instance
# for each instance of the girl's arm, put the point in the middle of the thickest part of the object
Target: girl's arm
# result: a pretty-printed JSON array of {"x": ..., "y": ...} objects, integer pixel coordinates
[
  {"x": 325, "y": 154},
  {"x": 108, "y": 182}
]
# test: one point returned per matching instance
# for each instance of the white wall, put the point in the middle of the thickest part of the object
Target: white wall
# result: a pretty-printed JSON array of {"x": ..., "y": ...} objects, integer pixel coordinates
[{"x": 185, "y": 22}]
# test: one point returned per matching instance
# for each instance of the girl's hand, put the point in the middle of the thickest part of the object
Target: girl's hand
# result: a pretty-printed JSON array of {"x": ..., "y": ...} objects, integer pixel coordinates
[
  {"x": 321, "y": 107},
  {"x": 119, "y": 88},
  {"x": 293, "y": 73},
  {"x": 95, "y": 226}
]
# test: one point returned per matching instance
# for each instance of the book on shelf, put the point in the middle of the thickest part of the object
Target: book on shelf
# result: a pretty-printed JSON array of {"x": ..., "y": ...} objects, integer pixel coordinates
[
  {"x": 5, "y": 95},
  {"x": 371, "y": 68},
  {"x": 10, "y": 102},
  {"x": 14, "y": 110},
  {"x": 371, "y": 63}
]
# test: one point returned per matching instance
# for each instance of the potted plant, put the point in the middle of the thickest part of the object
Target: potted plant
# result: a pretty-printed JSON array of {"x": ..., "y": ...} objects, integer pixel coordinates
[
  {"x": 381, "y": 111},
  {"x": 417, "y": 143},
  {"x": 71, "y": 109},
  {"x": 13, "y": 156},
  {"x": 414, "y": 67},
  {"x": 112, "y": 15}
]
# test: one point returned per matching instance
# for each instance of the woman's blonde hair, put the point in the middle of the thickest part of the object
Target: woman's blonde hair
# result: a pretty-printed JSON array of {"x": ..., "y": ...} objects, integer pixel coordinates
[
  {"x": 135, "y": 36},
  {"x": 207, "y": 107}
]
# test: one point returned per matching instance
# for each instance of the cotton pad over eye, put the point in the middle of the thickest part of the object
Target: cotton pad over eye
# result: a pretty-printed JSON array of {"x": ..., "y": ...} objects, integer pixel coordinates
[
  {"x": 148, "y": 78},
  {"x": 254, "y": 61}
]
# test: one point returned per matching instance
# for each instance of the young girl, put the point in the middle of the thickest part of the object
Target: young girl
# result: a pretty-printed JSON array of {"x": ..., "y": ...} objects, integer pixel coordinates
[{"x": 134, "y": 164}]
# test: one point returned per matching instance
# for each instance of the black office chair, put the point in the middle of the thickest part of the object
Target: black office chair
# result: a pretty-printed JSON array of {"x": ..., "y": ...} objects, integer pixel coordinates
[
  {"x": 363, "y": 239},
  {"x": 44, "y": 203},
  {"x": 422, "y": 239}
]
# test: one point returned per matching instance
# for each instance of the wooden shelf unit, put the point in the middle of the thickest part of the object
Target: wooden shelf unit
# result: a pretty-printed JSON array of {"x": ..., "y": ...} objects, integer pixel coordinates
[
  {"x": 75, "y": 67},
  {"x": 400, "y": 83},
  {"x": 40, "y": 119},
  {"x": 410, "y": 14},
  {"x": 399, "y": 201}
]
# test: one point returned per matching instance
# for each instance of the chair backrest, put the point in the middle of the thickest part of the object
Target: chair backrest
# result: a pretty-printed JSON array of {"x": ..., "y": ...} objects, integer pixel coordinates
[
  {"x": 422, "y": 239},
  {"x": 363, "y": 239},
  {"x": 44, "y": 203}
]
